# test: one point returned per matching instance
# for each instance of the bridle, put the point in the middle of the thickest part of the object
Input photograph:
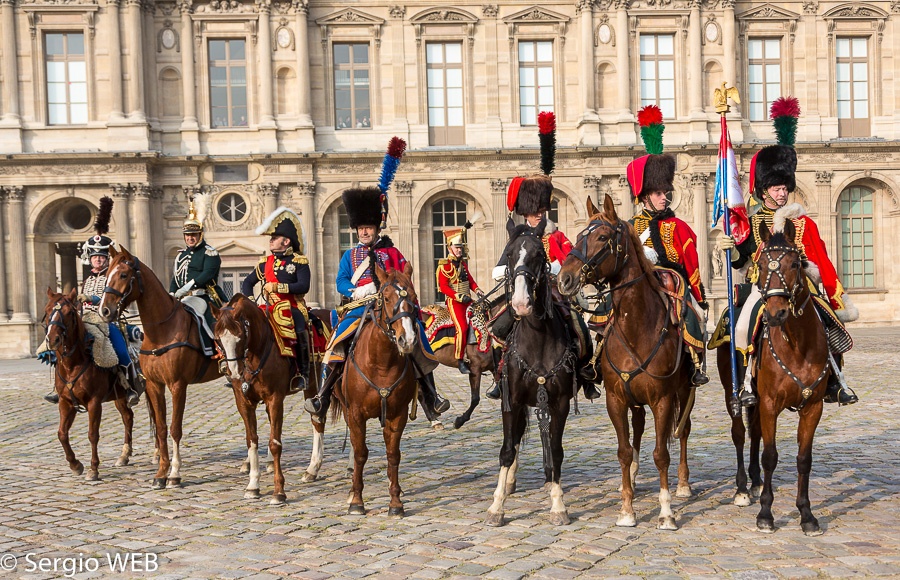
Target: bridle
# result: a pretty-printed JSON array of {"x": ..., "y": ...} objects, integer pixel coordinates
[
  {"x": 534, "y": 279},
  {"x": 614, "y": 246},
  {"x": 774, "y": 268},
  {"x": 55, "y": 316},
  {"x": 246, "y": 374},
  {"x": 135, "y": 266},
  {"x": 387, "y": 327}
]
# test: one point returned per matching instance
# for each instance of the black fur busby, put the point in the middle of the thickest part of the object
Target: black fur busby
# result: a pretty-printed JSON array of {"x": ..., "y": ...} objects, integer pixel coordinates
[
  {"x": 363, "y": 205},
  {"x": 775, "y": 165},
  {"x": 659, "y": 173}
]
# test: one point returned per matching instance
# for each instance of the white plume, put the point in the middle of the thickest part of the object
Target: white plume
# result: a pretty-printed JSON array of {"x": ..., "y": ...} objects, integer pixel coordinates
[{"x": 201, "y": 206}]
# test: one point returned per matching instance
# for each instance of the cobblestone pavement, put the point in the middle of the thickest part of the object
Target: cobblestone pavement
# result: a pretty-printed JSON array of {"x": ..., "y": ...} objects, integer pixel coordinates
[{"x": 207, "y": 530}]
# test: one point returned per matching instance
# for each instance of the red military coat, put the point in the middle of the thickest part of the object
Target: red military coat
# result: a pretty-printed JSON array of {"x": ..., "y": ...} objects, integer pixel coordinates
[
  {"x": 676, "y": 245},
  {"x": 456, "y": 282}
]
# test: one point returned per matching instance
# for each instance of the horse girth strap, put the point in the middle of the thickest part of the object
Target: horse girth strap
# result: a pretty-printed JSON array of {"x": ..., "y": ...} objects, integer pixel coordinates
[
  {"x": 805, "y": 391},
  {"x": 164, "y": 349},
  {"x": 384, "y": 393},
  {"x": 628, "y": 376}
]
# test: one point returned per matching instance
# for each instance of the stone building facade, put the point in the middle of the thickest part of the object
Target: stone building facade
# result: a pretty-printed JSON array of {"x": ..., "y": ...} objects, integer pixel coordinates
[{"x": 273, "y": 102}]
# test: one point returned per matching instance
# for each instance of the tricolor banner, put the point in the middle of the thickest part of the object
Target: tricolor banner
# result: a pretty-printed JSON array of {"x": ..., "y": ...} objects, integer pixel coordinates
[{"x": 728, "y": 191}]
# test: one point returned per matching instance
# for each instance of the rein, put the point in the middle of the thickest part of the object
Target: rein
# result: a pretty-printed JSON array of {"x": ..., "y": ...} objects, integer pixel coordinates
[
  {"x": 251, "y": 377},
  {"x": 136, "y": 273}
]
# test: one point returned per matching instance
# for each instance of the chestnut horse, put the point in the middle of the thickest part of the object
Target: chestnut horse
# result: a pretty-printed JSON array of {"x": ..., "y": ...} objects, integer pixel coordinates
[
  {"x": 81, "y": 383},
  {"x": 538, "y": 369},
  {"x": 792, "y": 366},
  {"x": 171, "y": 355},
  {"x": 248, "y": 343},
  {"x": 379, "y": 379},
  {"x": 642, "y": 359}
]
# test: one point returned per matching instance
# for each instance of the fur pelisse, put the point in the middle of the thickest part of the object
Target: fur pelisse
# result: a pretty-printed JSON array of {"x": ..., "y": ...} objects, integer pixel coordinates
[
  {"x": 104, "y": 213},
  {"x": 659, "y": 173},
  {"x": 547, "y": 137},
  {"x": 775, "y": 165},
  {"x": 791, "y": 211},
  {"x": 534, "y": 195},
  {"x": 363, "y": 205}
]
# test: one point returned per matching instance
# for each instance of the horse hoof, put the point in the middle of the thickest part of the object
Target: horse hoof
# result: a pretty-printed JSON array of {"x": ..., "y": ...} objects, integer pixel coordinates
[
  {"x": 251, "y": 494},
  {"x": 756, "y": 491},
  {"x": 122, "y": 462},
  {"x": 173, "y": 483},
  {"x": 278, "y": 499},
  {"x": 811, "y": 528},
  {"x": 437, "y": 426},
  {"x": 626, "y": 521},
  {"x": 78, "y": 469},
  {"x": 459, "y": 422},
  {"x": 684, "y": 491},
  {"x": 765, "y": 526},
  {"x": 666, "y": 523},
  {"x": 742, "y": 499},
  {"x": 494, "y": 520},
  {"x": 356, "y": 509},
  {"x": 92, "y": 476},
  {"x": 158, "y": 483},
  {"x": 309, "y": 477},
  {"x": 559, "y": 518},
  {"x": 396, "y": 512}
]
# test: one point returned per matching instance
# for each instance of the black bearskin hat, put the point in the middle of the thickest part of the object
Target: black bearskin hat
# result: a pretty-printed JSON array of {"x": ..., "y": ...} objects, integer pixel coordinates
[
  {"x": 775, "y": 165},
  {"x": 534, "y": 196},
  {"x": 659, "y": 173},
  {"x": 363, "y": 205}
]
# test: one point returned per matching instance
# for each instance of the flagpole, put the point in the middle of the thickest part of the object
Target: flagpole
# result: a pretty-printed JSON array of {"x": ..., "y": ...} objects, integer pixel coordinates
[{"x": 722, "y": 107}]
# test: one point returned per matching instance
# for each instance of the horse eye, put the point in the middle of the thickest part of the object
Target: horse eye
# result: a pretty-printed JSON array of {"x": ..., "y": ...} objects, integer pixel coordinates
[{"x": 123, "y": 275}]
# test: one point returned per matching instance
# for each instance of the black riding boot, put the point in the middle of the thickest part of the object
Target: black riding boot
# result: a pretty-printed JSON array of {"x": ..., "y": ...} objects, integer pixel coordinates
[
  {"x": 318, "y": 405},
  {"x": 589, "y": 389},
  {"x": 430, "y": 394},
  {"x": 837, "y": 391},
  {"x": 462, "y": 366},
  {"x": 494, "y": 391},
  {"x": 300, "y": 381},
  {"x": 52, "y": 397},
  {"x": 138, "y": 385}
]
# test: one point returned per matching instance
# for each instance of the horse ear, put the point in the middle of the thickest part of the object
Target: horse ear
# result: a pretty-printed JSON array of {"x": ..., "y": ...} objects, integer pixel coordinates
[
  {"x": 408, "y": 270},
  {"x": 49, "y": 292},
  {"x": 539, "y": 230},
  {"x": 380, "y": 273},
  {"x": 112, "y": 252},
  {"x": 235, "y": 299},
  {"x": 510, "y": 226},
  {"x": 591, "y": 209},
  {"x": 73, "y": 294},
  {"x": 215, "y": 309},
  {"x": 126, "y": 252},
  {"x": 609, "y": 208},
  {"x": 790, "y": 232},
  {"x": 764, "y": 234}
]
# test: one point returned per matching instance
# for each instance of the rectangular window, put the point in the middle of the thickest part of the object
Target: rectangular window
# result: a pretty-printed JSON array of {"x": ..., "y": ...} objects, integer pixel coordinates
[
  {"x": 66, "y": 78},
  {"x": 345, "y": 234},
  {"x": 535, "y": 80},
  {"x": 852, "y": 84},
  {"x": 857, "y": 238},
  {"x": 228, "y": 83},
  {"x": 764, "y": 75},
  {"x": 351, "y": 87},
  {"x": 658, "y": 72},
  {"x": 444, "y": 76}
]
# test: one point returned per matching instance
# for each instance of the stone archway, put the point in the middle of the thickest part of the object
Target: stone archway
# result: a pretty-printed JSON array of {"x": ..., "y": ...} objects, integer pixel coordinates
[{"x": 59, "y": 230}]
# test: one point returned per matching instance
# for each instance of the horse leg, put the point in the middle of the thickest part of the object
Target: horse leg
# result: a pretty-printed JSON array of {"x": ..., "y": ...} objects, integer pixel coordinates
[
  {"x": 156, "y": 396},
  {"x": 684, "y": 473},
  {"x": 95, "y": 411},
  {"x": 474, "y": 395},
  {"x": 767, "y": 423},
  {"x": 513, "y": 427},
  {"x": 755, "y": 437},
  {"x": 435, "y": 421},
  {"x": 154, "y": 457},
  {"x": 128, "y": 420},
  {"x": 66, "y": 418},
  {"x": 618, "y": 414},
  {"x": 638, "y": 422},
  {"x": 809, "y": 420},
  {"x": 663, "y": 416},
  {"x": 248, "y": 415},
  {"x": 318, "y": 453},
  {"x": 559, "y": 515},
  {"x": 275, "y": 410},
  {"x": 179, "y": 396},
  {"x": 357, "y": 426},
  {"x": 393, "y": 431}
]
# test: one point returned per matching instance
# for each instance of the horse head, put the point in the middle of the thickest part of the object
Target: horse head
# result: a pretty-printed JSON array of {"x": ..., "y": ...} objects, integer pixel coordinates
[
  {"x": 61, "y": 318},
  {"x": 398, "y": 308},
  {"x": 781, "y": 279},
  {"x": 600, "y": 250},
  {"x": 121, "y": 290},
  {"x": 527, "y": 265},
  {"x": 232, "y": 332}
]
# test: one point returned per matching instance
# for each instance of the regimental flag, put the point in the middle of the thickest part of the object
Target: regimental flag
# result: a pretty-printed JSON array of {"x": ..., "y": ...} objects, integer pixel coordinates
[{"x": 728, "y": 190}]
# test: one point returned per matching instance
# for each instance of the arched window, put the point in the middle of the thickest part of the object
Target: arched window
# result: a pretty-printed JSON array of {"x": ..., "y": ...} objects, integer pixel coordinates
[
  {"x": 445, "y": 214},
  {"x": 857, "y": 237}
]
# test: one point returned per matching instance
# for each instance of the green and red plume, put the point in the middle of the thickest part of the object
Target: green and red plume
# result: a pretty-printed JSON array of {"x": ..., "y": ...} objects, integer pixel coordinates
[
  {"x": 104, "y": 213},
  {"x": 650, "y": 118},
  {"x": 784, "y": 114},
  {"x": 547, "y": 136}
]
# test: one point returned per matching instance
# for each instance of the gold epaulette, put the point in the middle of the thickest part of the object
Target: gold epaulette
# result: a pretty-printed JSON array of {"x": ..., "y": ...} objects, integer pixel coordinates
[
  {"x": 301, "y": 259},
  {"x": 443, "y": 261}
]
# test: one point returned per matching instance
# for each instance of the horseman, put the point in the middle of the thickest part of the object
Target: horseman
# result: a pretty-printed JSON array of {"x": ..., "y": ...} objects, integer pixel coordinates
[
  {"x": 530, "y": 198},
  {"x": 367, "y": 210},
  {"x": 285, "y": 277},
  {"x": 457, "y": 284},
  {"x": 95, "y": 252},
  {"x": 771, "y": 181},
  {"x": 197, "y": 268},
  {"x": 668, "y": 240}
]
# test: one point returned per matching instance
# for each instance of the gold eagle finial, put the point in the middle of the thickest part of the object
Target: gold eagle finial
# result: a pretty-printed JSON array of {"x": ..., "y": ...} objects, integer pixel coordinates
[{"x": 721, "y": 96}]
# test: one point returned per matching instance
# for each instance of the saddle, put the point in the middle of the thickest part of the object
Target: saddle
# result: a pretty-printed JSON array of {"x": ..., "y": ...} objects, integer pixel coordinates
[
  {"x": 440, "y": 330},
  {"x": 197, "y": 307},
  {"x": 100, "y": 346},
  {"x": 680, "y": 306}
]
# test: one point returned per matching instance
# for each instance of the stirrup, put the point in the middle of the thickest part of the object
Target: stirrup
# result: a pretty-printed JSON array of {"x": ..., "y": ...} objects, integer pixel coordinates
[
  {"x": 590, "y": 391},
  {"x": 440, "y": 405},
  {"x": 52, "y": 397},
  {"x": 298, "y": 384},
  {"x": 132, "y": 397},
  {"x": 494, "y": 392},
  {"x": 748, "y": 398},
  {"x": 700, "y": 378}
]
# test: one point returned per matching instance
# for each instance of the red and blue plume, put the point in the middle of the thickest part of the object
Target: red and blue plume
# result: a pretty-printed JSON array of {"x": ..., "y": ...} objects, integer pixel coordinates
[
  {"x": 784, "y": 114},
  {"x": 389, "y": 166},
  {"x": 104, "y": 213},
  {"x": 547, "y": 136},
  {"x": 650, "y": 119}
]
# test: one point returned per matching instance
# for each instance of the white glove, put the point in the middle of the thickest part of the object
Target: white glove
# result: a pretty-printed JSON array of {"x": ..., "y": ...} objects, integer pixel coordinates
[
  {"x": 498, "y": 273},
  {"x": 363, "y": 291},
  {"x": 726, "y": 243},
  {"x": 555, "y": 267},
  {"x": 181, "y": 292}
]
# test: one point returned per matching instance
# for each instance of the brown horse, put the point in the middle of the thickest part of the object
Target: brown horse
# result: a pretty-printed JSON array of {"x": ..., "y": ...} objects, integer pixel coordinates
[
  {"x": 792, "y": 367},
  {"x": 248, "y": 343},
  {"x": 379, "y": 379},
  {"x": 81, "y": 383},
  {"x": 171, "y": 355},
  {"x": 642, "y": 360}
]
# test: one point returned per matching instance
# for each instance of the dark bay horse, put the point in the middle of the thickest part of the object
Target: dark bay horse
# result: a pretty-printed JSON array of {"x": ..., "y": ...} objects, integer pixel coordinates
[
  {"x": 248, "y": 342},
  {"x": 793, "y": 367},
  {"x": 642, "y": 359},
  {"x": 739, "y": 433},
  {"x": 171, "y": 355},
  {"x": 537, "y": 370},
  {"x": 379, "y": 380},
  {"x": 81, "y": 383}
]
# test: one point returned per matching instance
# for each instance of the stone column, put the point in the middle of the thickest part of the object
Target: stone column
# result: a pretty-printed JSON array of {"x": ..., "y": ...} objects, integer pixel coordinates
[
  {"x": 585, "y": 8},
  {"x": 264, "y": 57},
  {"x": 825, "y": 211},
  {"x": 623, "y": 74},
  {"x": 143, "y": 242},
  {"x": 307, "y": 192},
  {"x": 498, "y": 208},
  {"x": 701, "y": 228},
  {"x": 15, "y": 225},
  {"x": 115, "y": 61},
  {"x": 187, "y": 67},
  {"x": 695, "y": 62},
  {"x": 302, "y": 44},
  {"x": 729, "y": 60},
  {"x": 4, "y": 210},
  {"x": 9, "y": 63},
  {"x": 68, "y": 259},
  {"x": 404, "y": 209},
  {"x": 269, "y": 194},
  {"x": 135, "y": 42},
  {"x": 121, "y": 194}
]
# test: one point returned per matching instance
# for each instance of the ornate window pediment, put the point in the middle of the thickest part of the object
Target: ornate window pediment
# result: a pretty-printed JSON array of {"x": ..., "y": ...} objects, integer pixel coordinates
[
  {"x": 856, "y": 11},
  {"x": 536, "y": 15},
  {"x": 444, "y": 20},
  {"x": 351, "y": 17},
  {"x": 770, "y": 12}
]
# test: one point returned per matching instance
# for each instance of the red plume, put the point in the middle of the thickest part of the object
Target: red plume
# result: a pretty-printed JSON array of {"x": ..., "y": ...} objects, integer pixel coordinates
[
  {"x": 785, "y": 107},
  {"x": 649, "y": 115},
  {"x": 546, "y": 122},
  {"x": 396, "y": 147}
]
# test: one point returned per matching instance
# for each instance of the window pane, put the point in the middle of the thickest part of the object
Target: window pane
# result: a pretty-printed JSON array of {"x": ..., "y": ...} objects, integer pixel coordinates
[
  {"x": 526, "y": 52},
  {"x": 545, "y": 77},
  {"x": 755, "y": 49},
  {"x": 843, "y": 91},
  {"x": 528, "y": 115},
  {"x": 238, "y": 96},
  {"x": 526, "y": 77},
  {"x": 754, "y": 74},
  {"x": 860, "y": 109},
  {"x": 666, "y": 69},
  {"x": 454, "y": 97},
  {"x": 362, "y": 101},
  {"x": 218, "y": 76},
  {"x": 435, "y": 97},
  {"x": 843, "y": 72},
  {"x": 860, "y": 91},
  {"x": 361, "y": 78},
  {"x": 453, "y": 53},
  {"x": 56, "y": 92},
  {"x": 57, "y": 114},
  {"x": 342, "y": 98},
  {"x": 860, "y": 71},
  {"x": 239, "y": 117},
  {"x": 341, "y": 78},
  {"x": 648, "y": 44},
  {"x": 773, "y": 73},
  {"x": 454, "y": 117},
  {"x": 341, "y": 53},
  {"x": 545, "y": 97},
  {"x": 236, "y": 49},
  {"x": 757, "y": 112},
  {"x": 54, "y": 44},
  {"x": 773, "y": 91},
  {"x": 435, "y": 78},
  {"x": 217, "y": 50},
  {"x": 56, "y": 72},
  {"x": 666, "y": 89},
  {"x": 859, "y": 48},
  {"x": 773, "y": 48},
  {"x": 436, "y": 117},
  {"x": 648, "y": 90},
  {"x": 79, "y": 114},
  {"x": 545, "y": 52},
  {"x": 77, "y": 72},
  {"x": 78, "y": 93},
  {"x": 218, "y": 96},
  {"x": 238, "y": 75},
  {"x": 756, "y": 93},
  {"x": 75, "y": 44},
  {"x": 526, "y": 96},
  {"x": 454, "y": 77},
  {"x": 434, "y": 53},
  {"x": 361, "y": 53},
  {"x": 668, "y": 107},
  {"x": 648, "y": 69},
  {"x": 665, "y": 45},
  {"x": 843, "y": 48}
]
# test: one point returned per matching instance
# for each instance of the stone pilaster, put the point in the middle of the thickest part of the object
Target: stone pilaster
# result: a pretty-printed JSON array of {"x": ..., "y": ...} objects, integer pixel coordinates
[
  {"x": 143, "y": 242},
  {"x": 264, "y": 56},
  {"x": 700, "y": 217},
  {"x": 134, "y": 39},
  {"x": 15, "y": 225},
  {"x": 4, "y": 210},
  {"x": 307, "y": 193},
  {"x": 269, "y": 194},
  {"x": 626, "y": 135},
  {"x": 826, "y": 221},
  {"x": 116, "y": 108},
  {"x": 121, "y": 194},
  {"x": 10, "y": 121},
  {"x": 585, "y": 9},
  {"x": 498, "y": 209}
]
